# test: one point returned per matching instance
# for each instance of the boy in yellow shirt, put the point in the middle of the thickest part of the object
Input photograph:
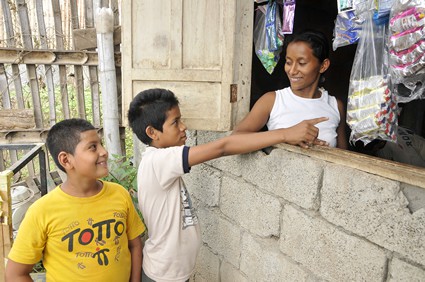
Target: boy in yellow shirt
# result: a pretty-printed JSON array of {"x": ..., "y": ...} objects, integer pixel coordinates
[{"x": 85, "y": 229}]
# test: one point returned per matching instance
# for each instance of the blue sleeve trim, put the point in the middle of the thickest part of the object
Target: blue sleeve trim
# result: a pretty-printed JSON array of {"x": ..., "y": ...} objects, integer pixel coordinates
[{"x": 186, "y": 168}]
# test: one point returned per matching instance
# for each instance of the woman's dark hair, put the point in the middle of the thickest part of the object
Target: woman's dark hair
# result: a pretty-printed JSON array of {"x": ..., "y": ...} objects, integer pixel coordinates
[{"x": 315, "y": 39}]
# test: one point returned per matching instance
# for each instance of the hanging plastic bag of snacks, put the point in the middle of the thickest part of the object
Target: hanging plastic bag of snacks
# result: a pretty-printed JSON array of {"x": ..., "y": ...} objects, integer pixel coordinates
[
  {"x": 268, "y": 39},
  {"x": 407, "y": 49},
  {"x": 372, "y": 110},
  {"x": 288, "y": 16},
  {"x": 348, "y": 23},
  {"x": 347, "y": 29}
]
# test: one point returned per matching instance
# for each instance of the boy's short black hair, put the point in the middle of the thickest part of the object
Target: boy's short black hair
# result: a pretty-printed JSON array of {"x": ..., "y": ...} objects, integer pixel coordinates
[
  {"x": 64, "y": 136},
  {"x": 149, "y": 108}
]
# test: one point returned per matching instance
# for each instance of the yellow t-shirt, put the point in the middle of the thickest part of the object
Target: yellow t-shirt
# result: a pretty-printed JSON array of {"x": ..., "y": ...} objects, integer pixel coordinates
[{"x": 80, "y": 239}]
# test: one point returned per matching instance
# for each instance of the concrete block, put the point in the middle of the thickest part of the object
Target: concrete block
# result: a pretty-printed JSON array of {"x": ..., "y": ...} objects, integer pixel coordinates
[
  {"x": 401, "y": 271},
  {"x": 415, "y": 196},
  {"x": 220, "y": 235},
  {"x": 192, "y": 137},
  {"x": 375, "y": 208},
  {"x": 249, "y": 207},
  {"x": 295, "y": 178},
  {"x": 228, "y": 273},
  {"x": 262, "y": 261},
  {"x": 230, "y": 164},
  {"x": 204, "y": 182},
  {"x": 327, "y": 251},
  {"x": 207, "y": 266},
  {"x": 204, "y": 136}
]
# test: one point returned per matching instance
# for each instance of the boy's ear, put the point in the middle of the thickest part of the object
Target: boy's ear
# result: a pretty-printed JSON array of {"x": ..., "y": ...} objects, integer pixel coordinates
[
  {"x": 151, "y": 132},
  {"x": 64, "y": 160}
]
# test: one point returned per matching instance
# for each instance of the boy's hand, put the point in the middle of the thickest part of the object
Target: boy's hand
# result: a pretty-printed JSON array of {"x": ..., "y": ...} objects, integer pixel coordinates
[{"x": 304, "y": 134}]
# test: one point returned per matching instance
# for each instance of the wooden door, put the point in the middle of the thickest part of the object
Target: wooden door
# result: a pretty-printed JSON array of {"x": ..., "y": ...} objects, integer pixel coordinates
[{"x": 199, "y": 49}]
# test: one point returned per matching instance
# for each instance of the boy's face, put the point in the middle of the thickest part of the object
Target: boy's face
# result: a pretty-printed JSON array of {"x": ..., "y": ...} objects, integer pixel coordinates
[
  {"x": 173, "y": 130},
  {"x": 90, "y": 159}
]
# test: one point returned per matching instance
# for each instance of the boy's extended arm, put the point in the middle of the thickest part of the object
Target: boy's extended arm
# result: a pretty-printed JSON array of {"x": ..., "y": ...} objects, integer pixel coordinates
[
  {"x": 17, "y": 272},
  {"x": 302, "y": 134},
  {"x": 136, "y": 247}
]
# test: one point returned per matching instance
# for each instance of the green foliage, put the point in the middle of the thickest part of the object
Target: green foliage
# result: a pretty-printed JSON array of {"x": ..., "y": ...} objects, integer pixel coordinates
[
  {"x": 59, "y": 112},
  {"x": 123, "y": 172},
  {"x": 38, "y": 267},
  {"x": 72, "y": 101},
  {"x": 129, "y": 142}
]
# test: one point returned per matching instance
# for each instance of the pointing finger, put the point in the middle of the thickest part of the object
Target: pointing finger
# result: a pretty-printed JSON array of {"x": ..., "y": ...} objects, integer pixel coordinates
[{"x": 317, "y": 120}]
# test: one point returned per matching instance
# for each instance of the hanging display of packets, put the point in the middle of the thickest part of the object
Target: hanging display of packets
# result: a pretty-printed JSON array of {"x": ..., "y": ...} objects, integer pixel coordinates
[
  {"x": 348, "y": 23},
  {"x": 407, "y": 49},
  {"x": 268, "y": 38},
  {"x": 372, "y": 110}
]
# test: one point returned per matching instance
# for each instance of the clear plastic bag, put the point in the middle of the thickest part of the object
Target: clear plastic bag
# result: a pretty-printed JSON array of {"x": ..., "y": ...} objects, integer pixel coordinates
[
  {"x": 407, "y": 49},
  {"x": 372, "y": 111},
  {"x": 268, "y": 40}
]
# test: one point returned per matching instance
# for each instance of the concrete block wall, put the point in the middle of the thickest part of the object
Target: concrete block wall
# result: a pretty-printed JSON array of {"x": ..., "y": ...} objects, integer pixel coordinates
[{"x": 291, "y": 217}]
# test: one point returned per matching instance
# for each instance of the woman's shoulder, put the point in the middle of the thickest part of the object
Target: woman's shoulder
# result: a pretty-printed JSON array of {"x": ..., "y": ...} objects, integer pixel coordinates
[
  {"x": 332, "y": 100},
  {"x": 283, "y": 91},
  {"x": 271, "y": 96},
  {"x": 326, "y": 96},
  {"x": 267, "y": 99}
]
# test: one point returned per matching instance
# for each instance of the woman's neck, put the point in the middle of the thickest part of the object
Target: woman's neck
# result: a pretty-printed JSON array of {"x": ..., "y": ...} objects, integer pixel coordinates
[{"x": 313, "y": 93}]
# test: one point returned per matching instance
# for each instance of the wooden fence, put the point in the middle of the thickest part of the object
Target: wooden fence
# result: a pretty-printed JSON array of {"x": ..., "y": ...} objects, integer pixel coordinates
[
  {"x": 48, "y": 59},
  {"x": 48, "y": 63}
]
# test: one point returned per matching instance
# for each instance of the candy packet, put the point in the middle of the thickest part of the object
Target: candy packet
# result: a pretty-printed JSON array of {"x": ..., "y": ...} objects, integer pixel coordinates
[{"x": 288, "y": 16}]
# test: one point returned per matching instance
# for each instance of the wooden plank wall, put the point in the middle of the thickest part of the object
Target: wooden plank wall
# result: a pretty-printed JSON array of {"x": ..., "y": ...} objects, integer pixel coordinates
[
  {"x": 58, "y": 90},
  {"x": 5, "y": 219}
]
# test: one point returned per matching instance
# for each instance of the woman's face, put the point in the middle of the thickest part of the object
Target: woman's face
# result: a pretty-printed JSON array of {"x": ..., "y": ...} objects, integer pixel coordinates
[{"x": 302, "y": 67}]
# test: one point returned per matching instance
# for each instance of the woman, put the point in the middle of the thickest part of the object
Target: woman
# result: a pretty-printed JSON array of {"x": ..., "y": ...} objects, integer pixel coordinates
[{"x": 307, "y": 58}]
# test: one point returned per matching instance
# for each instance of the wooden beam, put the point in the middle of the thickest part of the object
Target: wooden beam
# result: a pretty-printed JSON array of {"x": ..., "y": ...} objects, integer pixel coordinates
[
  {"x": 52, "y": 57},
  {"x": 23, "y": 136},
  {"x": 389, "y": 169},
  {"x": 13, "y": 119},
  {"x": 6, "y": 237},
  {"x": 86, "y": 38},
  {"x": 36, "y": 135}
]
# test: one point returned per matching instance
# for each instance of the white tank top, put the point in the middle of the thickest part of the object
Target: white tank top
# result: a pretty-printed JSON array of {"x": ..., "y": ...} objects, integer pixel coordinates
[{"x": 290, "y": 109}]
